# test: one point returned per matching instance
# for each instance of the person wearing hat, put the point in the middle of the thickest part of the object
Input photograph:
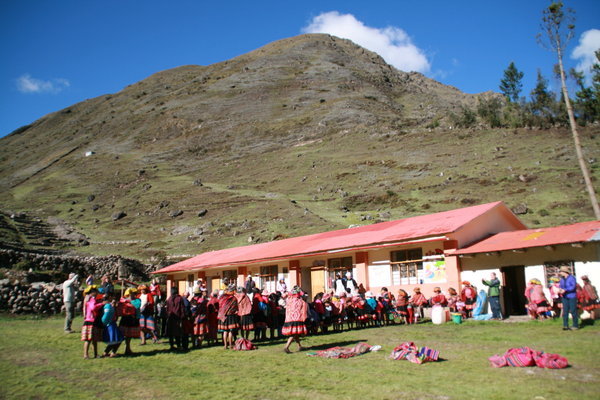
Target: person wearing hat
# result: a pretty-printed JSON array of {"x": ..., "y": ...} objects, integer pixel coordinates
[
  {"x": 129, "y": 309},
  {"x": 147, "y": 310},
  {"x": 91, "y": 332},
  {"x": 351, "y": 285},
  {"x": 554, "y": 288},
  {"x": 281, "y": 286},
  {"x": 199, "y": 316},
  {"x": 568, "y": 291},
  {"x": 418, "y": 302},
  {"x": 438, "y": 299},
  {"x": 493, "y": 285},
  {"x": 538, "y": 305},
  {"x": 589, "y": 295},
  {"x": 296, "y": 313},
  {"x": 371, "y": 307},
  {"x": 229, "y": 320},
  {"x": 245, "y": 312},
  {"x": 111, "y": 334}
]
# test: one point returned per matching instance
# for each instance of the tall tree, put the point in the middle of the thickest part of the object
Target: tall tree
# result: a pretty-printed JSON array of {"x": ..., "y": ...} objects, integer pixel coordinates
[
  {"x": 596, "y": 85},
  {"x": 512, "y": 84},
  {"x": 584, "y": 98},
  {"x": 542, "y": 101},
  {"x": 558, "y": 28}
]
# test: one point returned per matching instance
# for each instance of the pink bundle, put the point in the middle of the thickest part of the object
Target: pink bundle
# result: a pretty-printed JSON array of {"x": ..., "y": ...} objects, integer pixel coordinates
[{"x": 526, "y": 357}]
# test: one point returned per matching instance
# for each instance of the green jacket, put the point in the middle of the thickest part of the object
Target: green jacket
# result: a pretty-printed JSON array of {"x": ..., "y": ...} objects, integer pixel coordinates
[{"x": 494, "y": 287}]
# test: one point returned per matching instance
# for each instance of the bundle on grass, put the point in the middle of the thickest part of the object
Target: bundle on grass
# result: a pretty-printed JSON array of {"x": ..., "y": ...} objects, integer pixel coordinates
[
  {"x": 418, "y": 355},
  {"x": 344, "y": 352},
  {"x": 526, "y": 357},
  {"x": 243, "y": 344}
]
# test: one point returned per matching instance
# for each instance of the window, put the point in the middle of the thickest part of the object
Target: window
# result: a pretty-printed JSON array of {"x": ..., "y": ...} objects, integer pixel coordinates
[
  {"x": 335, "y": 265},
  {"x": 407, "y": 266},
  {"x": 551, "y": 269},
  {"x": 268, "y": 277},
  {"x": 232, "y": 275}
]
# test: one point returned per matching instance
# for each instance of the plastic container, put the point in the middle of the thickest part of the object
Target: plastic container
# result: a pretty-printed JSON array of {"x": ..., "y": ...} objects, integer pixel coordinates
[
  {"x": 438, "y": 315},
  {"x": 457, "y": 318}
]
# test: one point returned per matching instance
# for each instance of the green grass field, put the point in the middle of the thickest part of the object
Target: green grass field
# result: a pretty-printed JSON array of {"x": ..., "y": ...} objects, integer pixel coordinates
[{"x": 39, "y": 361}]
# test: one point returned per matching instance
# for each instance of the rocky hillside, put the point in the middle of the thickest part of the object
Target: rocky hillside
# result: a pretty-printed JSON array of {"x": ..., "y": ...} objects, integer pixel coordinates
[{"x": 303, "y": 135}]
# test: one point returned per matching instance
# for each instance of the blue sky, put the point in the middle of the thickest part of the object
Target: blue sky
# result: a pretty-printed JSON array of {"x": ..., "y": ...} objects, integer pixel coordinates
[{"x": 57, "y": 53}]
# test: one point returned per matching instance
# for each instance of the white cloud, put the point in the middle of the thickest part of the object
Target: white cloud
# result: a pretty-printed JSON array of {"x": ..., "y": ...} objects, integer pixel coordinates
[
  {"x": 27, "y": 84},
  {"x": 391, "y": 43},
  {"x": 589, "y": 42}
]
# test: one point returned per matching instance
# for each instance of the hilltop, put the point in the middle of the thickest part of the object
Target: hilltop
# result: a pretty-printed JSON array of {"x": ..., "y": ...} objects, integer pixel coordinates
[{"x": 303, "y": 135}]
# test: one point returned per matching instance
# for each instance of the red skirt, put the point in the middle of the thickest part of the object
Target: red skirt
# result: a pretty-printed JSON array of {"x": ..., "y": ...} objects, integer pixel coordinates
[
  {"x": 294, "y": 328},
  {"x": 231, "y": 322},
  {"x": 130, "y": 326},
  {"x": 201, "y": 328},
  {"x": 246, "y": 322},
  {"x": 90, "y": 333}
]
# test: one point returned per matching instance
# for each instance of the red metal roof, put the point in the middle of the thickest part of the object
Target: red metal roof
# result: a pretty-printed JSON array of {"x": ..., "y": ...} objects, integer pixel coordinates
[
  {"x": 376, "y": 234},
  {"x": 564, "y": 234}
]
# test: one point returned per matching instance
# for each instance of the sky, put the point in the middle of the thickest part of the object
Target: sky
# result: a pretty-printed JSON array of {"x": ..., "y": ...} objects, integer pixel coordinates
[{"x": 61, "y": 52}]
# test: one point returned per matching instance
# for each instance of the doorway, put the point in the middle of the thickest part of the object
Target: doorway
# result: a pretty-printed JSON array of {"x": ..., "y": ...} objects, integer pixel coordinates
[
  {"x": 317, "y": 281},
  {"x": 513, "y": 290}
]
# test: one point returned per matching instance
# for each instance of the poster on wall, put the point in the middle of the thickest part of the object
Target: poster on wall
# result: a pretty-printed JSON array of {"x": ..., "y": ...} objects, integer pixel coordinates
[{"x": 434, "y": 271}]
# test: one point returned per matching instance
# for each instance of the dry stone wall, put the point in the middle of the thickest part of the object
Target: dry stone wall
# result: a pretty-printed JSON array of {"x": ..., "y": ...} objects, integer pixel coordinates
[{"x": 35, "y": 279}]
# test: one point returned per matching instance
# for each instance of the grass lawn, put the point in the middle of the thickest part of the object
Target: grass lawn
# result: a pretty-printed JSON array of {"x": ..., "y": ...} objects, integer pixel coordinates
[{"x": 39, "y": 361}]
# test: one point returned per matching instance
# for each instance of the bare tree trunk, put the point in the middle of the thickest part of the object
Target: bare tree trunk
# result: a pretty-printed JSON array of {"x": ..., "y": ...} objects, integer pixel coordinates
[{"x": 582, "y": 163}]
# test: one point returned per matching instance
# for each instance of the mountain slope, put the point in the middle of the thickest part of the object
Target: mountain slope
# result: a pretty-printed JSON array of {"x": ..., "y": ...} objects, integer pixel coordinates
[{"x": 302, "y": 135}]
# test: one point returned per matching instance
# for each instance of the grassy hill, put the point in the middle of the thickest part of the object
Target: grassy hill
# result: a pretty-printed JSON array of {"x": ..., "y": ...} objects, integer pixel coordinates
[{"x": 304, "y": 135}]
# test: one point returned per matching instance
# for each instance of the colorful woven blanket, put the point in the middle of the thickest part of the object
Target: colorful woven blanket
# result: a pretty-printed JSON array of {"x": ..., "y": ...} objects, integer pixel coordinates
[
  {"x": 418, "y": 355},
  {"x": 342, "y": 352},
  {"x": 526, "y": 357}
]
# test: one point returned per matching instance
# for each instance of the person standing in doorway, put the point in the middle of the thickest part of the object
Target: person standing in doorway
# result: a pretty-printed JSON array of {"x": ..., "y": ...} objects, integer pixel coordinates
[
  {"x": 494, "y": 295},
  {"x": 69, "y": 299},
  {"x": 250, "y": 285},
  {"x": 568, "y": 290},
  {"x": 351, "y": 285}
]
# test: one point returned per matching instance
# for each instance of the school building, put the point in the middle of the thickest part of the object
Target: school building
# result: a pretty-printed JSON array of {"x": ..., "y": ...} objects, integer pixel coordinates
[{"x": 441, "y": 249}]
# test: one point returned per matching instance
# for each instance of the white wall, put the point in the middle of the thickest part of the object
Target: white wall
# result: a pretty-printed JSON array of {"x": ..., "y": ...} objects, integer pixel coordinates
[
  {"x": 475, "y": 277},
  {"x": 591, "y": 269}
]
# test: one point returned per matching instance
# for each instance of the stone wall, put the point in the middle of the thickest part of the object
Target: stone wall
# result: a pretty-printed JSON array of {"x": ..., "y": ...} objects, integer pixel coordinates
[{"x": 34, "y": 283}]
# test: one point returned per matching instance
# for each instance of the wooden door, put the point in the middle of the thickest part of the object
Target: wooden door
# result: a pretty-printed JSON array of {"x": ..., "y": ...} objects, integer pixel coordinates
[
  {"x": 317, "y": 281},
  {"x": 182, "y": 287},
  {"x": 215, "y": 283}
]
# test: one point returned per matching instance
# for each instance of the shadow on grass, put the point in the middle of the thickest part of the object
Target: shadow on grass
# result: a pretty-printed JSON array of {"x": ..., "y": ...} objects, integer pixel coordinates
[{"x": 334, "y": 344}]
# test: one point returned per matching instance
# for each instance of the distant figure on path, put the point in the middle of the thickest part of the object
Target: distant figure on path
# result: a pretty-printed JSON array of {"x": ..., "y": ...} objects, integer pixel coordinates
[{"x": 69, "y": 299}]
